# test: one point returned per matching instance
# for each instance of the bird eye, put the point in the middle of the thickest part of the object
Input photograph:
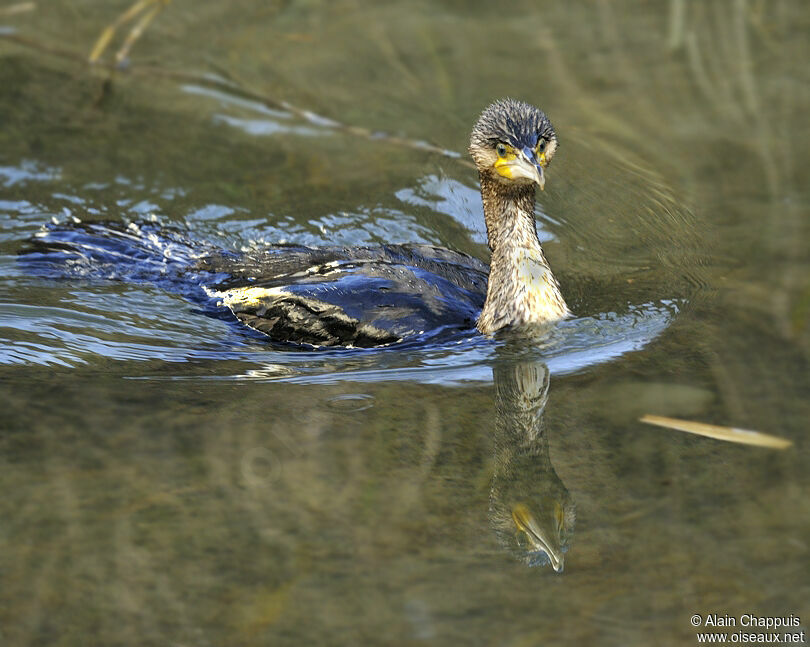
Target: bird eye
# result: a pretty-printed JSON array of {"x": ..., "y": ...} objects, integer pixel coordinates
[
  {"x": 541, "y": 145},
  {"x": 501, "y": 150}
]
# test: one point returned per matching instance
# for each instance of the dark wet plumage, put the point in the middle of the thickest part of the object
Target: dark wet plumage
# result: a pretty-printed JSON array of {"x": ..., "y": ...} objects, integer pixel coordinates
[
  {"x": 321, "y": 296},
  {"x": 352, "y": 296}
]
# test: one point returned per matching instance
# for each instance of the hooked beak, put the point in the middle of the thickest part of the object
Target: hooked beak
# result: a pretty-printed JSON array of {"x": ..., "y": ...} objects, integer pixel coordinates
[
  {"x": 521, "y": 166},
  {"x": 531, "y": 168}
]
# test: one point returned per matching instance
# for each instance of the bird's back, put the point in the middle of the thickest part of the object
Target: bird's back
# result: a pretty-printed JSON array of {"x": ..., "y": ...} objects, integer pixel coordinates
[
  {"x": 351, "y": 296},
  {"x": 322, "y": 296}
]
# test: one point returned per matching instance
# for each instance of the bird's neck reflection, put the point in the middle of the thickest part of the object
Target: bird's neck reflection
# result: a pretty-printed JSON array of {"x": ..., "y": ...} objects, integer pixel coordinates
[{"x": 531, "y": 510}]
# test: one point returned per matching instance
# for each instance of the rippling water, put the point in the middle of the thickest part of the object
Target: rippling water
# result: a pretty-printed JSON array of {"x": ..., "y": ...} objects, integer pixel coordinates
[
  {"x": 127, "y": 322},
  {"x": 171, "y": 478}
]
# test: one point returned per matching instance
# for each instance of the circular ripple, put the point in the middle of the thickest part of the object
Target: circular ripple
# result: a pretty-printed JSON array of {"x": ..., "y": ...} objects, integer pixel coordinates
[{"x": 349, "y": 402}]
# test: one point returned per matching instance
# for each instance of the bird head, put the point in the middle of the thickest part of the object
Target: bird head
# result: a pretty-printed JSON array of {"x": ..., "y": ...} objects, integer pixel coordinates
[{"x": 512, "y": 143}]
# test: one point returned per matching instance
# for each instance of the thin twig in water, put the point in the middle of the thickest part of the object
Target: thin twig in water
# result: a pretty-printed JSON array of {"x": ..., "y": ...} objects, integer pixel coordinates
[
  {"x": 729, "y": 434},
  {"x": 135, "y": 33}
]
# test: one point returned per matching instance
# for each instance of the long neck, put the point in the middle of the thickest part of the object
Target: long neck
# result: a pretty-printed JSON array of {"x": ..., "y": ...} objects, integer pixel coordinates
[
  {"x": 522, "y": 290},
  {"x": 509, "y": 214}
]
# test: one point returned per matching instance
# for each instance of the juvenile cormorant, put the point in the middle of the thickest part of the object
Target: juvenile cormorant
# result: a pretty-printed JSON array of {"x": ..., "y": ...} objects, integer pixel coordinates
[{"x": 358, "y": 296}]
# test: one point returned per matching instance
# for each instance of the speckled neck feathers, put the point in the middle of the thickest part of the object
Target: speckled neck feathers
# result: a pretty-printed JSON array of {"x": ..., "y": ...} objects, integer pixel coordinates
[
  {"x": 521, "y": 290},
  {"x": 509, "y": 214}
]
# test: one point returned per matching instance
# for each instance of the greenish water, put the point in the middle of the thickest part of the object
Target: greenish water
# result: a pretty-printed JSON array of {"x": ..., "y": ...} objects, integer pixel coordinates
[{"x": 169, "y": 480}]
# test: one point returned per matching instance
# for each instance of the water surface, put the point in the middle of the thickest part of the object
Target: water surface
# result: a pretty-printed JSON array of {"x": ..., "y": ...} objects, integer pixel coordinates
[{"x": 171, "y": 479}]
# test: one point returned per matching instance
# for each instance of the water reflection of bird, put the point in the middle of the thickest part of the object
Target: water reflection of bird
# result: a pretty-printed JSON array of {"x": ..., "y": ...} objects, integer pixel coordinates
[
  {"x": 531, "y": 510},
  {"x": 361, "y": 296}
]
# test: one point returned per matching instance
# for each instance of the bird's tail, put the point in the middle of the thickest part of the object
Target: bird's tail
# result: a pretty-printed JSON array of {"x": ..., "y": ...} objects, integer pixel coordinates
[{"x": 143, "y": 252}]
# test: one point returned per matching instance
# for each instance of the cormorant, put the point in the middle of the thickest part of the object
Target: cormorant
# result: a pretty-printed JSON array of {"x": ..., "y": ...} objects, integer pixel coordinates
[{"x": 358, "y": 296}]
